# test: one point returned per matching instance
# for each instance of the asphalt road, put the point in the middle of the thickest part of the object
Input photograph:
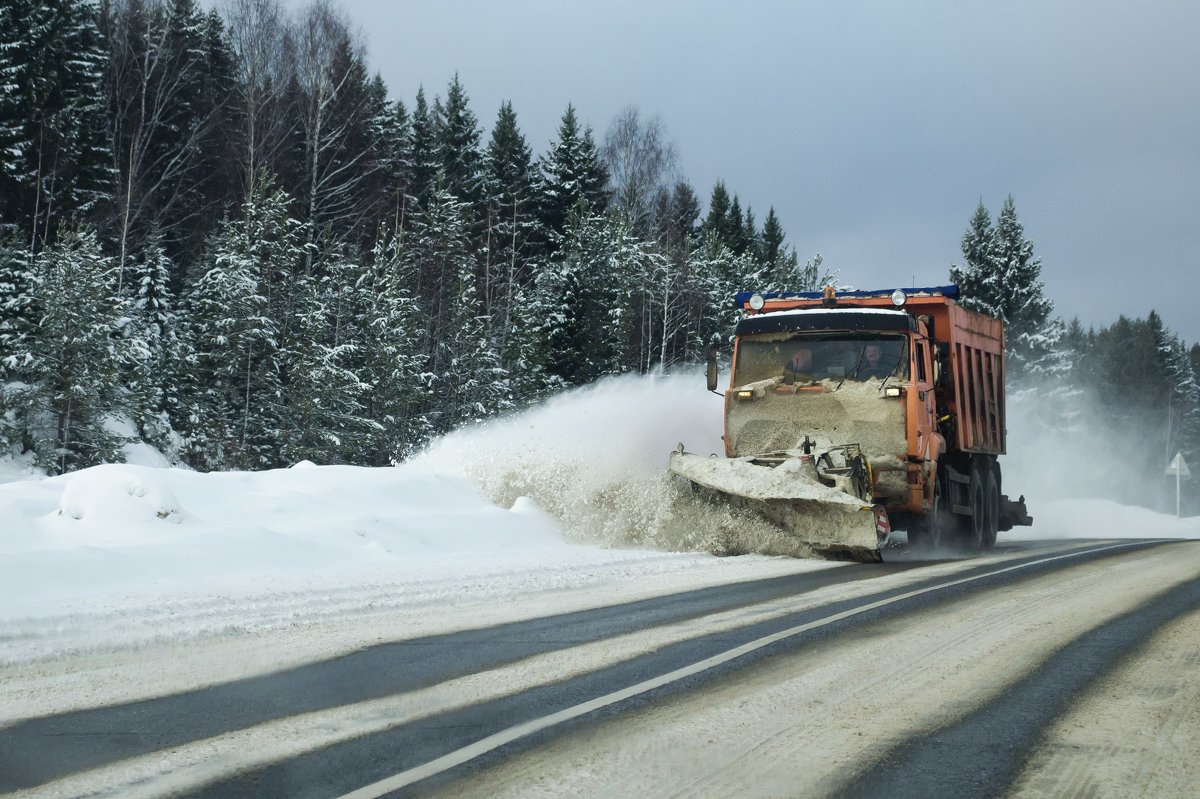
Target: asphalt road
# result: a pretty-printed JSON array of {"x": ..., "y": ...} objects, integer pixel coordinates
[{"x": 908, "y": 678}]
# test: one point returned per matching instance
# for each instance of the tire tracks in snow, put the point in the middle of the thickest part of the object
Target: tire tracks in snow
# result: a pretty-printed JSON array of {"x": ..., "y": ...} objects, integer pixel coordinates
[{"x": 980, "y": 755}]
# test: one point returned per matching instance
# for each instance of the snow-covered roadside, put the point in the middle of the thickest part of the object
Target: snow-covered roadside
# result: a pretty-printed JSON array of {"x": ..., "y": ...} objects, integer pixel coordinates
[{"x": 129, "y": 555}]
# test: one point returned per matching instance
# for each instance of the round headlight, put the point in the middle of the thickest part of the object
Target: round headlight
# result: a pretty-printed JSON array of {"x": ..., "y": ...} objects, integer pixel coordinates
[
  {"x": 899, "y": 298},
  {"x": 756, "y": 301}
]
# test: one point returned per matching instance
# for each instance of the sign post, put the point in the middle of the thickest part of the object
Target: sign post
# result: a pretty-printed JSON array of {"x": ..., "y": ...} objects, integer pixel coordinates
[{"x": 1179, "y": 468}]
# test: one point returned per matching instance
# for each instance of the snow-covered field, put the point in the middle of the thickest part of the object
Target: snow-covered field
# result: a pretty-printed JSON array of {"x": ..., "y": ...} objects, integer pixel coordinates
[{"x": 561, "y": 507}]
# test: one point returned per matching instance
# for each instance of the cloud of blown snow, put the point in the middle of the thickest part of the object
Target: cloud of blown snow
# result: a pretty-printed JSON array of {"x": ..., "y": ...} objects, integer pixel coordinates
[
  {"x": 1082, "y": 476},
  {"x": 596, "y": 458}
]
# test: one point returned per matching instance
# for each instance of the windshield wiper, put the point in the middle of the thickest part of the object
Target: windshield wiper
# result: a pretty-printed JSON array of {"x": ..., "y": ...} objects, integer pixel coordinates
[
  {"x": 892, "y": 373},
  {"x": 854, "y": 372}
]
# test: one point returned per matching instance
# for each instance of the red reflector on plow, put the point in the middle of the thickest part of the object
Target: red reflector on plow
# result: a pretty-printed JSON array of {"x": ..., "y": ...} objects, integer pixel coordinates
[{"x": 882, "y": 526}]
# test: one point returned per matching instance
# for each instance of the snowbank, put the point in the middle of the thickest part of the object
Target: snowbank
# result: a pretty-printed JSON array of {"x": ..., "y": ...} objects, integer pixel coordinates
[{"x": 1100, "y": 518}]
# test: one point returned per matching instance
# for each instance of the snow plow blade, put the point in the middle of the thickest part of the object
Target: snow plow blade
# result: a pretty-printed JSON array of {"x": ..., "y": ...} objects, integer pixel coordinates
[{"x": 787, "y": 491}]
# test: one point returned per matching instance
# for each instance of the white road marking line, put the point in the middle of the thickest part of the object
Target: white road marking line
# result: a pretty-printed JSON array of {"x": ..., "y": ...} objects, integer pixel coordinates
[{"x": 507, "y": 736}]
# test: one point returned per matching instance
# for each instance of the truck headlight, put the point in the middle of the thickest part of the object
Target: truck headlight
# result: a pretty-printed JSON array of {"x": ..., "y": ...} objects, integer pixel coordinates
[{"x": 893, "y": 391}]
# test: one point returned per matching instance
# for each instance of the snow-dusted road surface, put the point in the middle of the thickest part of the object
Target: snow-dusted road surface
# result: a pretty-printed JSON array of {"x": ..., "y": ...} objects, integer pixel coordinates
[
  {"x": 967, "y": 677},
  {"x": 1081, "y": 679}
]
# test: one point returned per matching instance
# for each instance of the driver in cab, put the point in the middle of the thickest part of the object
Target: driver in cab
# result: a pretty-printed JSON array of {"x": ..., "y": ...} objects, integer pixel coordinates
[
  {"x": 873, "y": 364},
  {"x": 800, "y": 368}
]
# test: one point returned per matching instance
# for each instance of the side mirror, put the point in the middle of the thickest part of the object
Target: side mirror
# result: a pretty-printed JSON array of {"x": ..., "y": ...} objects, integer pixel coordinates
[{"x": 712, "y": 369}]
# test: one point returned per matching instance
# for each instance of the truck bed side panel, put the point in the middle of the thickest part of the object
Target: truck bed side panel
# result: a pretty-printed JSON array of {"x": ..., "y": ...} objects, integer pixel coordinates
[{"x": 977, "y": 380}]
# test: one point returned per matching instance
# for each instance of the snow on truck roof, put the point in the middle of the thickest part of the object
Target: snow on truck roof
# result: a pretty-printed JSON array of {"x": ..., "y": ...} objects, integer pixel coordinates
[
  {"x": 851, "y": 311},
  {"x": 949, "y": 291},
  {"x": 827, "y": 319}
]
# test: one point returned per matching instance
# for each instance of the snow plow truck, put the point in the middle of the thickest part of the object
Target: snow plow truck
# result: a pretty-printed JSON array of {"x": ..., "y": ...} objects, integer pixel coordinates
[{"x": 855, "y": 414}]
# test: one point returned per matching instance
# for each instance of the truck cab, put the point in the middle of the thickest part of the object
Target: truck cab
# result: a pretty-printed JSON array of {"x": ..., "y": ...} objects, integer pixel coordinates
[{"x": 839, "y": 376}]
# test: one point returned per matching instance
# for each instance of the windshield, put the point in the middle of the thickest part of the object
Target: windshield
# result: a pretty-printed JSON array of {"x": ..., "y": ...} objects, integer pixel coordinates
[{"x": 805, "y": 357}]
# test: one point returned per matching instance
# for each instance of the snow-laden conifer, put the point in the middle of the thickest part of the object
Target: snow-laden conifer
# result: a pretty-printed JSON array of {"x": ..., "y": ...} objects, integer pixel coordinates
[
  {"x": 322, "y": 418},
  {"x": 394, "y": 363},
  {"x": 584, "y": 294},
  {"x": 235, "y": 312},
  {"x": 70, "y": 385},
  {"x": 1001, "y": 277},
  {"x": 468, "y": 381},
  {"x": 571, "y": 171},
  {"x": 155, "y": 354}
]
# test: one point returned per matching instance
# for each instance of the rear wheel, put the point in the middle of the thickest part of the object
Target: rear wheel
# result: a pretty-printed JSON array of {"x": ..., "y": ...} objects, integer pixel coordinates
[
  {"x": 972, "y": 527},
  {"x": 991, "y": 500}
]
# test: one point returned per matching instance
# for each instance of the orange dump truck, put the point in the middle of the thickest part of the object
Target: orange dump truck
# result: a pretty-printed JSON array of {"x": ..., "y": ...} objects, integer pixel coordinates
[{"x": 850, "y": 415}]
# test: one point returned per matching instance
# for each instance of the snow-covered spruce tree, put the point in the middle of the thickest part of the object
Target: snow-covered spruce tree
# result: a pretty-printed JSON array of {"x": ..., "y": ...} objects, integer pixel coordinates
[
  {"x": 55, "y": 149},
  {"x": 1001, "y": 277},
  {"x": 391, "y": 131},
  {"x": 509, "y": 222},
  {"x": 393, "y": 359},
  {"x": 742, "y": 234},
  {"x": 1183, "y": 401},
  {"x": 423, "y": 154},
  {"x": 72, "y": 379},
  {"x": 716, "y": 223},
  {"x": 18, "y": 311},
  {"x": 523, "y": 357},
  {"x": 720, "y": 276},
  {"x": 323, "y": 416},
  {"x": 234, "y": 391},
  {"x": 977, "y": 277},
  {"x": 510, "y": 247},
  {"x": 571, "y": 171},
  {"x": 584, "y": 294},
  {"x": 18, "y": 326},
  {"x": 469, "y": 382},
  {"x": 155, "y": 353},
  {"x": 458, "y": 147}
]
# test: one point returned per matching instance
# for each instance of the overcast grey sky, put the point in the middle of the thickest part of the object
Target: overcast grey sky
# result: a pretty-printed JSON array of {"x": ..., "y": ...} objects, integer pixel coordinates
[{"x": 873, "y": 128}]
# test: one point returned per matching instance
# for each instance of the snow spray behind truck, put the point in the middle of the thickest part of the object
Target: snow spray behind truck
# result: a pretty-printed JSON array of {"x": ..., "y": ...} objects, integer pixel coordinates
[{"x": 851, "y": 415}]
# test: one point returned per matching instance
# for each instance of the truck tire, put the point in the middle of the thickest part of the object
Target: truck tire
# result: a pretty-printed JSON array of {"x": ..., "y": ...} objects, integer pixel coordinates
[
  {"x": 972, "y": 527},
  {"x": 931, "y": 531},
  {"x": 991, "y": 501}
]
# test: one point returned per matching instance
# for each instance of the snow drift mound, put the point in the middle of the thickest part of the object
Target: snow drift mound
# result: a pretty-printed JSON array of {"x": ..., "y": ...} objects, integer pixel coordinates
[
  {"x": 117, "y": 494},
  {"x": 596, "y": 459}
]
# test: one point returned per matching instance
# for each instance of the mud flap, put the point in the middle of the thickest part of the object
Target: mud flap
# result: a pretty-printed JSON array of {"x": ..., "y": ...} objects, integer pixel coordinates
[{"x": 1013, "y": 514}]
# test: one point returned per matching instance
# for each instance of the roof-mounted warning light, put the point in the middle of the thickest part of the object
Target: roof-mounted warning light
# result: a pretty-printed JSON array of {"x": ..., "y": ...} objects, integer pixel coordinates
[{"x": 829, "y": 297}]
